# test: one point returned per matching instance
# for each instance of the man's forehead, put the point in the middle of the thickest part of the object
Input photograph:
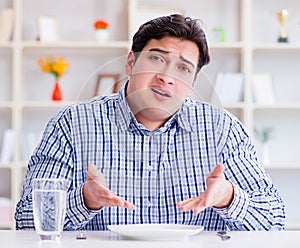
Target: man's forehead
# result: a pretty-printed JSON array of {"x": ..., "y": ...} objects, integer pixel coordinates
[{"x": 178, "y": 48}]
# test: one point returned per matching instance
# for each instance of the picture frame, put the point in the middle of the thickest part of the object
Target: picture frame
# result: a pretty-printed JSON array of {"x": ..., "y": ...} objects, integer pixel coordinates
[
  {"x": 144, "y": 14},
  {"x": 107, "y": 83},
  {"x": 47, "y": 28},
  {"x": 6, "y": 24}
]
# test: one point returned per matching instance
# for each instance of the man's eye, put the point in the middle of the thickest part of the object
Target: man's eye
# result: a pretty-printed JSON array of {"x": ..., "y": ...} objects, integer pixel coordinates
[
  {"x": 184, "y": 69},
  {"x": 156, "y": 58}
]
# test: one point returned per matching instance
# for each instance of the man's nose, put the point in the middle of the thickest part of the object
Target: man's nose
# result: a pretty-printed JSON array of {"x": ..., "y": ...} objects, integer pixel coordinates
[{"x": 165, "y": 78}]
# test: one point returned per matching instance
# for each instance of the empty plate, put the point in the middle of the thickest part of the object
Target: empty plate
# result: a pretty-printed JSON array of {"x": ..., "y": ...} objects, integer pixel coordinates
[{"x": 155, "y": 231}]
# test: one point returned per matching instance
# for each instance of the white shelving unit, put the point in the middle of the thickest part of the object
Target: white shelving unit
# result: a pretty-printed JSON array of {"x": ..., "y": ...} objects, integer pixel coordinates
[{"x": 250, "y": 47}]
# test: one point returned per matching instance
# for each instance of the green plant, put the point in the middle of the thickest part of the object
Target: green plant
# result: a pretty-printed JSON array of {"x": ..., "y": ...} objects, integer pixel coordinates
[{"x": 263, "y": 134}]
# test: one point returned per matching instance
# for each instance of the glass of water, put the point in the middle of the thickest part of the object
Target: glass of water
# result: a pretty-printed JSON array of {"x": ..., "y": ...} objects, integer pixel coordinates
[{"x": 49, "y": 207}]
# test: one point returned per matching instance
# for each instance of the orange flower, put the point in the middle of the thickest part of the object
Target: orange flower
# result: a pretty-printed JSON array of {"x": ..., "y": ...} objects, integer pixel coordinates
[
  {"x": 101, "y": 24},
  {"x": 55, "y": 67}
]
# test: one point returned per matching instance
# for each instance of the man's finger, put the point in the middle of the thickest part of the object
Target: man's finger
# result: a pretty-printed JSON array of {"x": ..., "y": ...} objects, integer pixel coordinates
[
  {"x": 182, "y": 204},
  {"x": 119, "y": 202},
  {"x": 217, "y": 171},
  {"x": 129, "y": 205}
]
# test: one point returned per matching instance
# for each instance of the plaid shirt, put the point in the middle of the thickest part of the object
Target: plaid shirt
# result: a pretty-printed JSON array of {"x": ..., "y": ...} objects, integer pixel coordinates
[{"x": 153, "y": 170}]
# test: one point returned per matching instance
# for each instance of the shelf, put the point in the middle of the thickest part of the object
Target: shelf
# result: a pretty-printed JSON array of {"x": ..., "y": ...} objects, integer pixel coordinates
[
  {"x": 46, "y": 104},
  {"x": 76, "y": 44},
  {"x": 5, "y": 166},
  {"x": 282, "y": 166},
  {"x": 239, "y": 105},
  {"x": 277, "y": 106},
  {"x": 6, "y": 45},
  {"x": 5, "y": 225},
  {"x": 6, "y": 104},
  {"x": 292, "y": 225},
  {"x": 226, "y": 45},
  {"x": 276, "y": 46}
]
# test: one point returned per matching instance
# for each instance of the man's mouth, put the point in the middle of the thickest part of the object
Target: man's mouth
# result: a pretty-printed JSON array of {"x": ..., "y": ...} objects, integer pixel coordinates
[{"x": 160, "y": 92}]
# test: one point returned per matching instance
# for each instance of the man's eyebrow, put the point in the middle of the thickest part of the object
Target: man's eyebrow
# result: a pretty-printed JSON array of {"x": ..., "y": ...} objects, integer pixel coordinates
[{"x": 167, "y": 52}]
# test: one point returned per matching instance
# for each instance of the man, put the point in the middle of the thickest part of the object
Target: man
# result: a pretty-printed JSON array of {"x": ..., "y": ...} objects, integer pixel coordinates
[{"x": 151, "y": 154}]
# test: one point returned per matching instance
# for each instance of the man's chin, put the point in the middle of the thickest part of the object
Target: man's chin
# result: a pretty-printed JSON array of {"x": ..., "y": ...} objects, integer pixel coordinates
[
  {"x": 141, "y": 101},
  {"x": 158, "y": 113},
  {"x": 165, "y": 108}
]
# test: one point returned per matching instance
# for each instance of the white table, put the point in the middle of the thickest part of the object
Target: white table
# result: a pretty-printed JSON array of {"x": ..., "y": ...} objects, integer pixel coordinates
[{"x": 105, "y": 239}]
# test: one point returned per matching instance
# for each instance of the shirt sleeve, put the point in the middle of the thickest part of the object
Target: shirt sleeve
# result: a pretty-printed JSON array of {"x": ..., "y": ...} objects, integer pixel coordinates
[
  {"x": 54, "y": 158},
  {"x": 257, "y": 204}
]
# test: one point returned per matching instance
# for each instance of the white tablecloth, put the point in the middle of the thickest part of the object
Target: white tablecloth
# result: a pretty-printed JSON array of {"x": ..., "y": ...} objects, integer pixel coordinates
[{"x": 107, "y": 239}]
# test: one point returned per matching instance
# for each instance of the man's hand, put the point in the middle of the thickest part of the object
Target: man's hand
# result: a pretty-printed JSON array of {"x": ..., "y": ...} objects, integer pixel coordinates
[
  {"x": 219, "y": 193},
  {"x": 96, "y": 195}
]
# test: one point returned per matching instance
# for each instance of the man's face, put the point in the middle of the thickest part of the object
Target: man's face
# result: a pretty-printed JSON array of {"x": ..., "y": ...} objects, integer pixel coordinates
[{"x": 160, "y": 78}]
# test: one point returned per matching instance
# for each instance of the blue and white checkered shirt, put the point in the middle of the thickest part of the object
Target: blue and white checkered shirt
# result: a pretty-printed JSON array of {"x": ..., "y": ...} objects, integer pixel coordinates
[{"x": 153, "y": 170}]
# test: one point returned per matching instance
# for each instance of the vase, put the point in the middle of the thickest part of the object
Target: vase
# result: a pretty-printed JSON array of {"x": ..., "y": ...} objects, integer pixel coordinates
[
  {"x": 101, "y": 35},
  {"x": 56, "y": 92}
]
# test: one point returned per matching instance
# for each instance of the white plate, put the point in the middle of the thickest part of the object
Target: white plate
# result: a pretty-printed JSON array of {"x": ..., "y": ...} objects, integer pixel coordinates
[{"x": 155, "y": 231}]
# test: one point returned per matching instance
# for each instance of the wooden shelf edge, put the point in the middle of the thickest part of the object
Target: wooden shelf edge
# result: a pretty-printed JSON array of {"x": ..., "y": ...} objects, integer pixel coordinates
[
  {"x": 277, "y": 106},
  {"x": 292, "y": 225},
  {"x": 276, "y": 46},
  {"x": 76, "y": 44},
  {"x": 282, "y": 166},
  {"x": 46, "y": 104}
]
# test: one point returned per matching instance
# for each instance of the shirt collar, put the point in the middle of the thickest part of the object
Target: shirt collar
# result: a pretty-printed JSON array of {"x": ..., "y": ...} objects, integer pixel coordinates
[
  {"x": 124, "y": 113},
  {"x": 183, "y": 116},
  {"x": 126, "y": 120}
]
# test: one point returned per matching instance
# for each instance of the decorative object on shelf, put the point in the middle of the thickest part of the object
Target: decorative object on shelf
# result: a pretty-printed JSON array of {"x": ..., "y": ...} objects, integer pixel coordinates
[
  {"x": 57, "y": 92},
  {"x": 101, "y": 30},
  {"x": 283, "y": 16},
  {"x": 219, "y": 34},
  {"x": 107, "y": 83},
  {"x": 6, "y": 24},
  {"x": 57, "y": 68},
  {"x": 47, "y": 28},
  {"x": 264, "y": 135}
]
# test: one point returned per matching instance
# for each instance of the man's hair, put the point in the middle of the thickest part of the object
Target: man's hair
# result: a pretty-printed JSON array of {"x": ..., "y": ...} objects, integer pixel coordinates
[{"x": 177, "y": 26}]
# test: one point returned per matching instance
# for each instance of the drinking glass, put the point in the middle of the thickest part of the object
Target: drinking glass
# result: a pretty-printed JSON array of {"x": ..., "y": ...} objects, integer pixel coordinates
[{"x": 49, "y": 207}]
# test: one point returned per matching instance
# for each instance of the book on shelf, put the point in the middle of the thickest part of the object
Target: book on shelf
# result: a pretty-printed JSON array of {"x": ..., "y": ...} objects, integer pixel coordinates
[
  {"x": 263, "y": 88},
  {"x": 228, "y": 88},
  {"x": 6, "y": 24},
  {"x": 7, "y": 147}
]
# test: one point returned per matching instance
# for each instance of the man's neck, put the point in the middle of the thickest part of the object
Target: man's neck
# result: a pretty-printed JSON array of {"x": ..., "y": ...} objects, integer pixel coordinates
[{"x": 151, "y": 125}]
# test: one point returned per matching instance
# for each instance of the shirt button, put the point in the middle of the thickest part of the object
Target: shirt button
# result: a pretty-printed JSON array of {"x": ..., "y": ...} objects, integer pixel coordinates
[
  {"x": 81, "y": 218},
  {"x": 149, "y": 204},
  {"x": 149, "y": 168}
]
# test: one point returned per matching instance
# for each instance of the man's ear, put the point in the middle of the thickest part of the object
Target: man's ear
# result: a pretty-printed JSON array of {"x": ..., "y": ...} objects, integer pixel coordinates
[{"x": 129, "y": 63}]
